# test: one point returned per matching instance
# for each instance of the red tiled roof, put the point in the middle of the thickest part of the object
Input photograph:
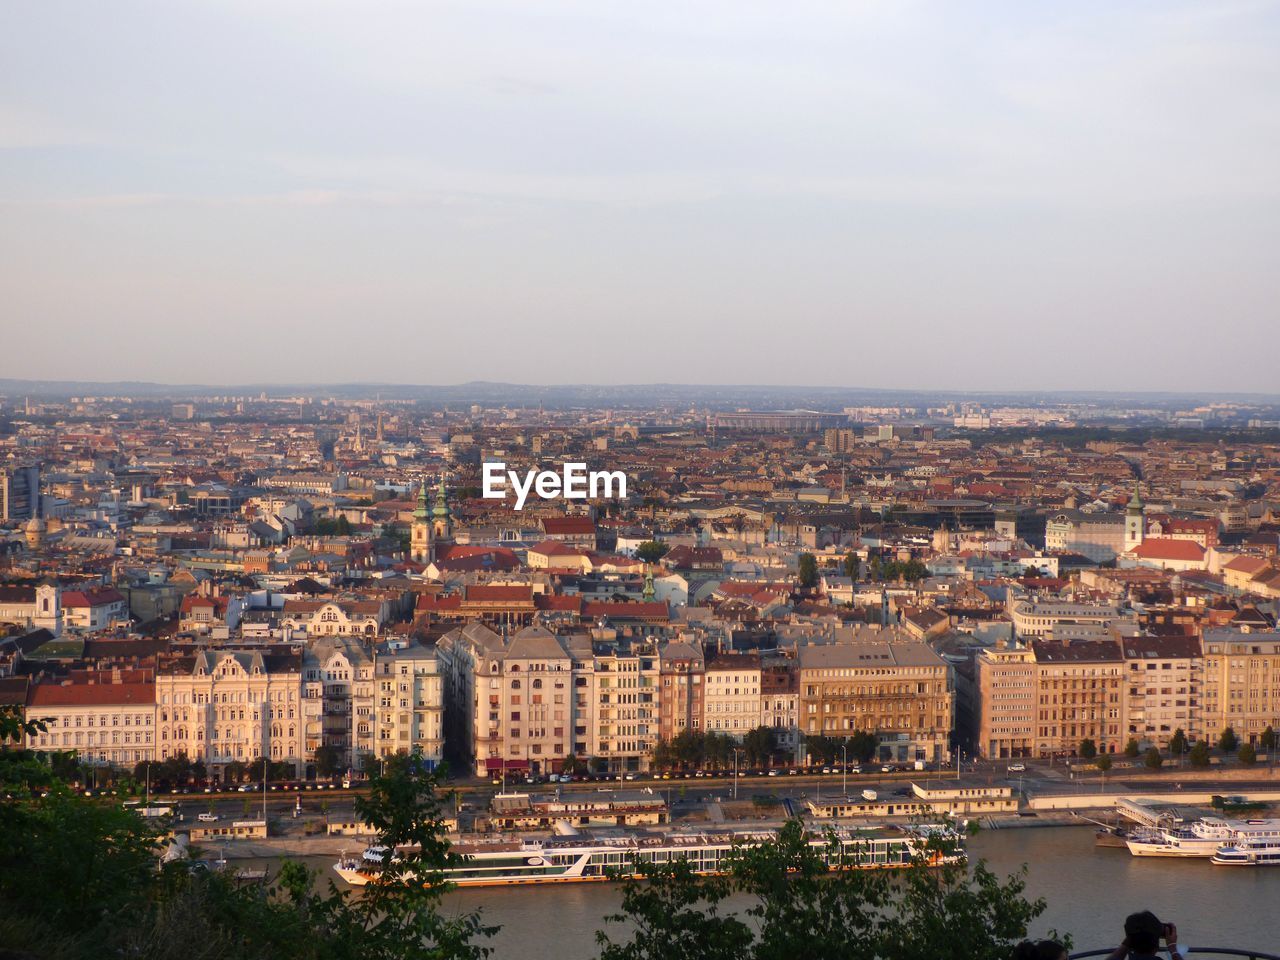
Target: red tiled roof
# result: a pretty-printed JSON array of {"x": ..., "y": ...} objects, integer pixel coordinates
[
  {"x": 90, "y": 694},
  {"x": 568, "y": 526},
  {"x": 1165, "y": 548},
  {"x": 98, "y": 597}
]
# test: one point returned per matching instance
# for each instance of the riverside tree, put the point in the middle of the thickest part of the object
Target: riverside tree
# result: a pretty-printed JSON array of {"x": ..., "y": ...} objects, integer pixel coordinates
[
  {"x": 96, "y": 891},
  {"x": 798, "y": 908}
]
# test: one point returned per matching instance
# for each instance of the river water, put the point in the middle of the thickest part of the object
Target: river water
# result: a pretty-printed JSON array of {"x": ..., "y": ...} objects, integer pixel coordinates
[{"x": 1089, "y": 891}]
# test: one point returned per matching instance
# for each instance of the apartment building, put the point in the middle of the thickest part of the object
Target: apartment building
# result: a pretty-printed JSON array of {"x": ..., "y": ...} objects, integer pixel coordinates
[
  {"x": 1163, "y": 677},
  {"x": 1007, "y": 695},
  {"x": 1080, "y": 692},
  {"x": 338, "y": 697},
  {"x": 1067, "y": 621},
  {"x": 106, "y": 717},
  {"x": 410, "y": 702},
  {"x": 731, "y": 701},
  {"x": 220, "y": 706},
  {"x": 780, "y": 706},
  {"x": 509, "y": 703},
  {"x": 622, "y": 686},
  {"x": 895, "y": 688},
  {"x": 1241, "y": 682},
  {"x": 681, "y": 673},
  {"x": 1099, "y": 536}
]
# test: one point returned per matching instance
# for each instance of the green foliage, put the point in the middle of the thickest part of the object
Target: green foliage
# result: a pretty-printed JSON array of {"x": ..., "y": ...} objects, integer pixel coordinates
[
  {"x": 798, "y": 908},
  {"x": 1131, "y": 749},
  {"x": 692, "y": 749},
  {"x": 759, "y": 745},
  {"x": 1103, "y": 762},
  {"x": 1247, "y": 754},
  {"x": 651, "y": 551},
  {"x": 1152, "y": 759},
  {"x": 1178, "y": 743},
  {"x": 1268, "y": 739},
  {"x": 329, "y": 760},
  {"x": 807, "y": 570},
  {"x": 1228, "y": 742},
  {"x": 1088, "y": 749},
  {"x": 78, "y": 881},
  {"x": 859, "y": 747},
  {"x": 1199, "y": 755},
  {"x": 852, "y": 565}
]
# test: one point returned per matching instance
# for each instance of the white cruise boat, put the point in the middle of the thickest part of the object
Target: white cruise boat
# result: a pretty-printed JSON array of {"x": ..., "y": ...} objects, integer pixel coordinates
[
  {"x": 1203, "y": 838},
  {"x": 1198, "y": 839},
  {"x": 1248, "y": 853},
  {"x": 585, "y": 859}
]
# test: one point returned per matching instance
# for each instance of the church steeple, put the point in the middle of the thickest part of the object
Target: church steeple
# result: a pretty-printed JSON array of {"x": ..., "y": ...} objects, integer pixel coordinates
[
  {"x": 422, "y": 546},
  {"x": 1135, "y": 523},
  {"x": 442, "y": 519}
]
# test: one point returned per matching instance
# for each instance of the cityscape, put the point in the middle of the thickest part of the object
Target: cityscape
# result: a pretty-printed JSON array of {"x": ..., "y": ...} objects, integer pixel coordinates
[
  {"x": 219, "y": 605},
  {"x": 586, "y": 481}
]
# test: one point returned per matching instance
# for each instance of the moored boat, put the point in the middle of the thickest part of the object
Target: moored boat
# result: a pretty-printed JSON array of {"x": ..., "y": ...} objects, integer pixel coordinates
[
  {"x": 1202, "y": 838},
  {"x": 586, "y": 859}
]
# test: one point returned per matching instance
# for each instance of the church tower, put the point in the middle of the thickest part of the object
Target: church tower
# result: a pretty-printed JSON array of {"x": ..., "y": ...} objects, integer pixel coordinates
[
  {"x": 1134, "y": 522},
  {"x": 422, "y": 547},
  {"x": 441, "y": 519}
]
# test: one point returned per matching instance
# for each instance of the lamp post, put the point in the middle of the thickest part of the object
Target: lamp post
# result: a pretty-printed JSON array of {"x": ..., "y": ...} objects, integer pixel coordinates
[
  {"x": 844, "y": 768},
  {"x": 736, "y": 751}
]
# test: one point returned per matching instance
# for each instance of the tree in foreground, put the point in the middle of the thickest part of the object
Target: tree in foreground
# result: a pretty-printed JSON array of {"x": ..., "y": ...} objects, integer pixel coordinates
[
  {"x": 1103, "y": 762},
  {"x": 797, "y": 908},
  {"x": 1247, "y": 754},
  {"x": 78, "y": 880},
  {"x": 1178, "y": 743},
  {"x": 1131, "y": 749},
  {"x": 1088, "y": 749},
  {"x": 1152, "y": 759}
]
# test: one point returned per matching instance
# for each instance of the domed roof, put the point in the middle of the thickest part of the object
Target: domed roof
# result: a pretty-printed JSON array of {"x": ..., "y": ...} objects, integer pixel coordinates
[{"x": 35, "y": 525}]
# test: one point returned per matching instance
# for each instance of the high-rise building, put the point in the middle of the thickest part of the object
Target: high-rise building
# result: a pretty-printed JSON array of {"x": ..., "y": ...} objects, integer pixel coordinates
[{"x": 19, "y": 492}]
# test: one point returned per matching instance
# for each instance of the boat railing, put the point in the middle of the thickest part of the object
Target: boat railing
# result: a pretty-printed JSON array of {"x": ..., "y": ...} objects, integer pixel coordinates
[{"x": 1189, "y": 951}]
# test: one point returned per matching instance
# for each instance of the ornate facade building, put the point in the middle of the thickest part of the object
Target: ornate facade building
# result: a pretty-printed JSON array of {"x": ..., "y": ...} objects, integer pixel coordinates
[{"x": 220, "y": 706}]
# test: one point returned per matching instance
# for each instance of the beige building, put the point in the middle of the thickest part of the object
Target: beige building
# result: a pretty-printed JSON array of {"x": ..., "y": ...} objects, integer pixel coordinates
[
  {"x": 410, "y": 702},
  {"x": 1079, "y": 690},
  {"x": 1163, "y": 677},
  {"x": 1241, "y": 683},
  {"x": 1007, "y": 694},
  {"x": 731, "y": 701},
  {"x": 508, "y": 703},
  {"x": 621, "y": 683},
  {"x": 893, "y": 687},
  {"x": 107, "y": 718},
  {"x": 219, "y": 706},
  {"x": 338, "y": 697}
]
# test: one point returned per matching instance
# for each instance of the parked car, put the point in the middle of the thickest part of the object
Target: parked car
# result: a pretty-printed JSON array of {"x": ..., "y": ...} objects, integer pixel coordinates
[
  {"x": 207, "y": 817},
  {"x": 1017, "y": 768}
]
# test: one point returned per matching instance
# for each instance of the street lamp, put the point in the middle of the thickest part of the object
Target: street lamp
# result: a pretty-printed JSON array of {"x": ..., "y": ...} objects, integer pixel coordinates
[{"x": 736, "y": 751}]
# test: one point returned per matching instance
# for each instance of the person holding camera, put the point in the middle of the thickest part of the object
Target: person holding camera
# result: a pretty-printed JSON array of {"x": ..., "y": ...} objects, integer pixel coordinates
[{"x": 1142, "y": 935}]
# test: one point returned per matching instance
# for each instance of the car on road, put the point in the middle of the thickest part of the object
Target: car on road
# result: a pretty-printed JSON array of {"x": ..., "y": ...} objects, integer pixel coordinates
[
  {"x": 887, "y": 768},
  {"x": 1017, "y": 768},
  {"x": 207, "y": 817},
  {"x": 248, "y": 787}
]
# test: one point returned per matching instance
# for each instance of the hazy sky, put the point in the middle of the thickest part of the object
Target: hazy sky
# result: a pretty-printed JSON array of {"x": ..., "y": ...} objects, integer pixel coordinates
[{"x": 1014, "y": 194}]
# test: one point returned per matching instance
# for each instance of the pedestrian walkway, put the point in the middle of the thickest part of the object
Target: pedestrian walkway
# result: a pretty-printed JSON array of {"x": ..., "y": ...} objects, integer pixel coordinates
[{"x": 715, "y": 812}]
